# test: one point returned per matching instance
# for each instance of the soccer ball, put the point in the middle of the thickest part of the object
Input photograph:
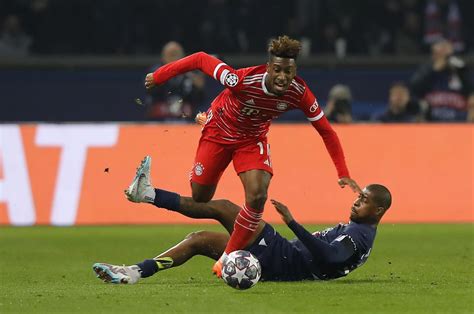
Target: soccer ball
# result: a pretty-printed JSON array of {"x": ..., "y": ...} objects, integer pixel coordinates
[{"x": 241, "y": 270}]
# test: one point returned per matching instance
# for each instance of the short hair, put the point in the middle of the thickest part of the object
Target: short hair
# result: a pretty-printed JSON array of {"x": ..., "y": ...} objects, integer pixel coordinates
[
  {"x": 284, "y": 47},
  {"x": 381, "y": 195}
]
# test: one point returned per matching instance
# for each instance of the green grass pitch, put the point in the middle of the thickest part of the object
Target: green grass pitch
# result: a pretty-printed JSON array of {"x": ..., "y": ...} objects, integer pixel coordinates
[{"x": 412, "y": 269}]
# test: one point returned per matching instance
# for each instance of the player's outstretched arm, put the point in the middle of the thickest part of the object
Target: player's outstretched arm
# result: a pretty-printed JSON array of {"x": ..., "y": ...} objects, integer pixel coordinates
[
  {"x": 198, "y": 61},
  {"x": 338, "y": 251},
  {"x": 334, "y": 148},
  {"x": 309, "y": 105}
]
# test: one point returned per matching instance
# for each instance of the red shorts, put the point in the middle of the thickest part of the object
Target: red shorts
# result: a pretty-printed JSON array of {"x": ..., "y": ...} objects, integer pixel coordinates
[{"x": 213, "y": 158}]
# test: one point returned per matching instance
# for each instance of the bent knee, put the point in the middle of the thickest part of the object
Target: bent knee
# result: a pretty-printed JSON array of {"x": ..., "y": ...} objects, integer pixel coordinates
[
  {"x": 200, "y": 196},
  {"x": 195, "y": 235},
  {"x": 256, "y": 200},
  {"x": 196, "y": 239}
]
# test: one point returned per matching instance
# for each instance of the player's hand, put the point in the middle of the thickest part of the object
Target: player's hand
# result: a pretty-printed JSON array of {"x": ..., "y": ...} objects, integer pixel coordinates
[
  {"x": 351, "y": 183},
  {"x": 201, "y": 118},
  {"x": 283, "y": 211},
  {"x": 149, "y": 81}
]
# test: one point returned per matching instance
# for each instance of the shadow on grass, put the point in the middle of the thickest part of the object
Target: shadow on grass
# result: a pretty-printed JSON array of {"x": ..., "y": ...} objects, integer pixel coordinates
[
  {"x": 218, "y": 283},
  {"x": 367, "y": 281}
]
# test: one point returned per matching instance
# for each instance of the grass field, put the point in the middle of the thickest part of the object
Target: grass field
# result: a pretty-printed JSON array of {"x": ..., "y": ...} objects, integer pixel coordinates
[{"x": 412, "y": 269}]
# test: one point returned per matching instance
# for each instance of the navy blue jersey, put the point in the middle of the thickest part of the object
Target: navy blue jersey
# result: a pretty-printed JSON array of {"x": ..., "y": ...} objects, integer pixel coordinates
[{"x": 325, "y": 255}]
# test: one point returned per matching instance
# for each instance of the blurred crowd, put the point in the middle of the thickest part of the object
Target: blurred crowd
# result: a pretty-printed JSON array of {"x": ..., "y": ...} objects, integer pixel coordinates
[
  {"x": 440, "y": 90},
  {"x": 341, "y": 27}
]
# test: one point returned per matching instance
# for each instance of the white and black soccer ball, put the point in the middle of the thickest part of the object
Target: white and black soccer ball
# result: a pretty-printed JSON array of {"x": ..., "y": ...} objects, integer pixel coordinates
[{"x": 241, "y": 270}]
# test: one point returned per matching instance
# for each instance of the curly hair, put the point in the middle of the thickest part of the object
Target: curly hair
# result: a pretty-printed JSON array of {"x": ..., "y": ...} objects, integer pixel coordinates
[{"x": 284, "y": 47}]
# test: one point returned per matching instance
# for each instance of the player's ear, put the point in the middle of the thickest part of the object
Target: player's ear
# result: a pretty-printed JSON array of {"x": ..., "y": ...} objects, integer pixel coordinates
[{"x": 380, "y": 211}]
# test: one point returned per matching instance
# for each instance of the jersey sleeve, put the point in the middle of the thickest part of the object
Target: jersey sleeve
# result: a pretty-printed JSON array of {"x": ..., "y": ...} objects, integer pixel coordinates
[
  {"x": 338, "y": 251},
  {"x": 204, "y": 62},
  {"x": 358, "y": 237},
  {"x": 309, "y": 105}
]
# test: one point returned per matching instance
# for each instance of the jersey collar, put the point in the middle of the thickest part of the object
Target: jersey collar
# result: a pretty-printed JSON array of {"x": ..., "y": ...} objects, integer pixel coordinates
[
  {"x": 362, "y": 224},
  {"x": 265, "y": 90}
]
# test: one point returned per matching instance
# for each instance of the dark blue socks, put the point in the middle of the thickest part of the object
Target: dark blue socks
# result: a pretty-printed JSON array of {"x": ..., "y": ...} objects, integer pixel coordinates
[
  {"x": 148, "y": 267},
  {"x": 166, "y": 199}
]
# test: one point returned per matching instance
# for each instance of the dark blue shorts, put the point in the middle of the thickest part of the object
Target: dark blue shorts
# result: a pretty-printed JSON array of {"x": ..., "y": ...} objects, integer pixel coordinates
[{"x": 279, "y": 258}]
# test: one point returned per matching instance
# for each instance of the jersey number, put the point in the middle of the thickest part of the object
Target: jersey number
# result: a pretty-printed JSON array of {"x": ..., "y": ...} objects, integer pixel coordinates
[{"x": 268, "y": 161}]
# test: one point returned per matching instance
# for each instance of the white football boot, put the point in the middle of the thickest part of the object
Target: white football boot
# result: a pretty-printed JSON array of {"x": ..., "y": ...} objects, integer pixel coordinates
[
  {"x": 141, "y": 189},
  {"x": 117, "y": 274}
]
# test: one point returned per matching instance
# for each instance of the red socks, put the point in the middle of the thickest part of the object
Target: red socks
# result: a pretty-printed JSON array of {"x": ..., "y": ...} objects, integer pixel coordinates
[{"x": 245, "y": 225}]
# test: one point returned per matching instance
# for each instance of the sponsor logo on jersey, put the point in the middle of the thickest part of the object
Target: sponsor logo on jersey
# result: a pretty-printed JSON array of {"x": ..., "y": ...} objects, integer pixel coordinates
[
  {"x": 249, "y": 111},
  {"x": 282, "y": 106},
  {"x": 314, "y": 107},
  {"x": 250, "y": 102},
  {"x": 231, "y": 79},
  {"x": 198, "y": 169}
]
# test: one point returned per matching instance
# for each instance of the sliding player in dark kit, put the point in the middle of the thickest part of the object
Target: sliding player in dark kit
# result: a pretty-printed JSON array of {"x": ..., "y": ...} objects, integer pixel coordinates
[{"x": 324, "y": 255}]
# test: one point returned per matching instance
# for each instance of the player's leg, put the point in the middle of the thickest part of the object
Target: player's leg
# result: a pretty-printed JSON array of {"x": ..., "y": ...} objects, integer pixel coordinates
[
  {"x": 253, "y": 164},
  {"x": 209, "y": 164},
  {"x": 142, "y": 191},
  {"x": 256, "y": 183},
  {"x": 223, "y": 211},
  {"x": 206, "y": 243},
  {"x": 203, "y": 193}
]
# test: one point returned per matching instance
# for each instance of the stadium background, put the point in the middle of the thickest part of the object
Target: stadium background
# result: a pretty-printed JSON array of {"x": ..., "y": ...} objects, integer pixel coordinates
[{"x": 71, "y": 135}]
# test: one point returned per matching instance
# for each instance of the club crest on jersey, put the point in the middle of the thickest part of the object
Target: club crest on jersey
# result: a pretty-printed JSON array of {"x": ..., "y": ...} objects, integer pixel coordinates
[
  {"x": 231, "y": 79},
  {"x": 198, "y": 169},
  {"x": 314, "y": 107},
  {"x": 282, "y": 106}
]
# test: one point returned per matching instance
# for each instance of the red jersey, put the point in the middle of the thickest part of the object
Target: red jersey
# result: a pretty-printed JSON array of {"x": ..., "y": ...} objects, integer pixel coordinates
[{"x": 245, "y": 109}]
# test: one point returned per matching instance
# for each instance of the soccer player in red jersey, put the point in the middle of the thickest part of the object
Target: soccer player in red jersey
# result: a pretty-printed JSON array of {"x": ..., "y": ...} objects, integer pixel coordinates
[{"x": 237, "y": 124}]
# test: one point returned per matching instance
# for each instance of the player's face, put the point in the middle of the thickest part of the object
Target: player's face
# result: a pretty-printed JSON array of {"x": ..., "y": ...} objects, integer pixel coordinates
[
  {"x": 363, "y": 209},
  {"x": 281, "y": 71}
]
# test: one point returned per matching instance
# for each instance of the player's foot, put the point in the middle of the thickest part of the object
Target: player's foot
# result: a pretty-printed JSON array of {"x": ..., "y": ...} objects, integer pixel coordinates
[
  {"x": 217, "y": 269},
  {"x": 141, "y": 190},
  {"x": 117, "y": 274}
]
